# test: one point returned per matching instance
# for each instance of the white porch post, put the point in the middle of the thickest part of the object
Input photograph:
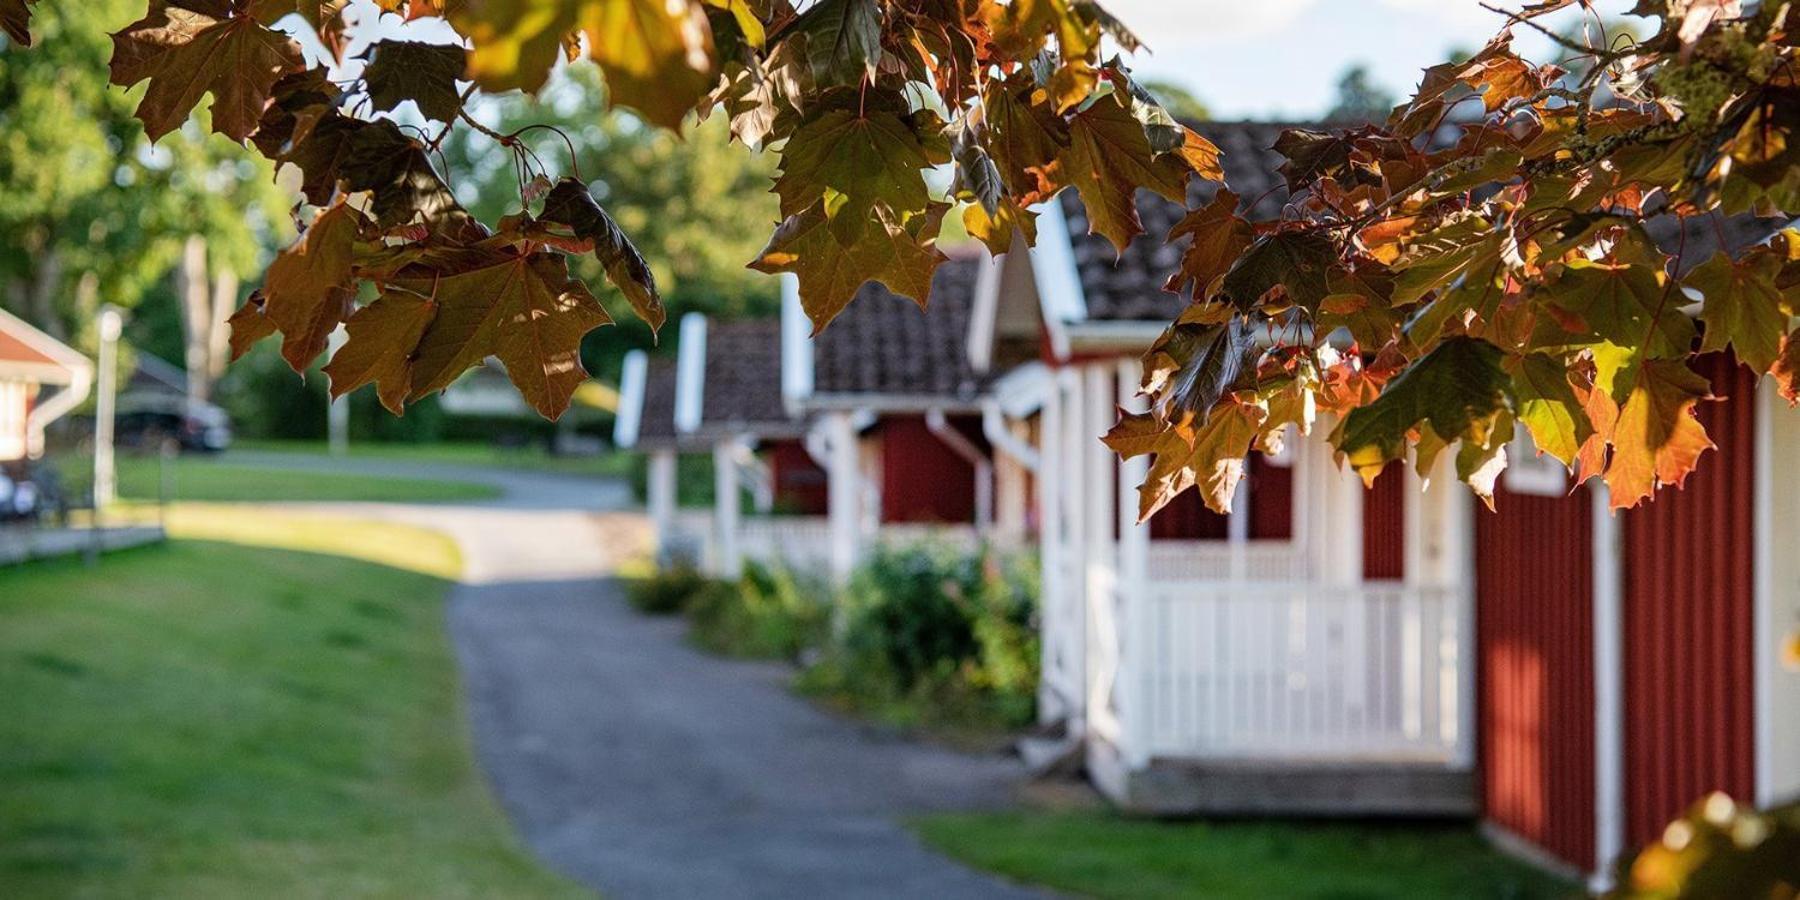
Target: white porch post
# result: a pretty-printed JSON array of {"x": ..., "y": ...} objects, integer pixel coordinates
[
  {"x": 660, "y": 496},
  {"x": 1609, "y": 678},
  {"x": 727, "y": 509},
  {"x": 844, "y": 483},
  {"x": 1075, "y": 582},
  {"x": 1777, "y": 563},
  {"x": 1053, "y": 603},
  {"x": 1100, "y": 519},
  {"x": 1134, "y": 551}
]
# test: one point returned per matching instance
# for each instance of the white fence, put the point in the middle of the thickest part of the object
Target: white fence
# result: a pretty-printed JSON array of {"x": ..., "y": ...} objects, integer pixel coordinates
[
  {"x": 1299, "y": 671},
  {"x": 801, "y": 543},
  {"x": 1263, "y": 560}
]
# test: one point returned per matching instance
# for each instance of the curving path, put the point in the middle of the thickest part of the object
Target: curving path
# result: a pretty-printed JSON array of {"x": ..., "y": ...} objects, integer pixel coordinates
[{"x": 643, "y": 768}]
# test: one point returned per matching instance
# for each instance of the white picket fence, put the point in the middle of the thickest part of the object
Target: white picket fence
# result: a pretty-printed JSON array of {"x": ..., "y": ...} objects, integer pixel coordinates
[
  {"x": 1298, "y": 671},
  {"x": 1263, "y": 560}
]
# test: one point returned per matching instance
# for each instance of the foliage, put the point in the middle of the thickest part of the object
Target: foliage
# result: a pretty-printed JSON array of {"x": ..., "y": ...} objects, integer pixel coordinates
[
  {"x": 768, "y": 613},
  {"x": 1359, "y": 99},
  {"x": 936, "y": 636},
  {"x": 1502, "y": 204},
  {"x": 1719, "y": 849},
  {"x": 1101, "y": 854},
  {"x": 91, "y": 212},
  {"x": 258, "y": 715},
  {"x": 665, "y": 591}
]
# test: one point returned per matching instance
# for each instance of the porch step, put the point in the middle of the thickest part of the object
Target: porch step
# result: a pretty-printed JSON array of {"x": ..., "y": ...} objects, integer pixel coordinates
[
  {"x": 1047, "y": 757},
  {"x": 1263, "y": 788}
]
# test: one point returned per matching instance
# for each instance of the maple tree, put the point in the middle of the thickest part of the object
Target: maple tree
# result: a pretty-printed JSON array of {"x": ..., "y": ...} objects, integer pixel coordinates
[{"x": 1484, "y": 249}]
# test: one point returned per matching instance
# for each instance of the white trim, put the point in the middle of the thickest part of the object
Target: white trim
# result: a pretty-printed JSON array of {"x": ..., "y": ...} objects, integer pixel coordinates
[
  {"x": 1134, "y": 551},
  {"x": 43, "y": 343},
  {"x": 1763, "y": 635},
  {"x": 983, "y": 315},
  {"x": 1609, "y": 677},
  {"x": 796, "y": 345},
  {"x": 1058, "y": 280},
  {"x": 690, "y": 373},
  {"x": 728, "y": 560},
  {"x": 1777, "y": 567},
  {"x": 660, "y": 497},
  {"x": 1530, "y": 472},
  {"x": 843, "y": 485},
  {"x": 1023, "y": 389},
  {"x": 633, "y": 379}
]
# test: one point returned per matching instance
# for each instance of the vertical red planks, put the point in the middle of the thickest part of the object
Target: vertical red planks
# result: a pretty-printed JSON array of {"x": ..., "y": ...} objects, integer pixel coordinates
[
  {"x": 922, "y": 478},
  {"x": 1384, "y": 525},
  {"x": 1689, "y": 601},
  {"x": 1534, "y": 624}
]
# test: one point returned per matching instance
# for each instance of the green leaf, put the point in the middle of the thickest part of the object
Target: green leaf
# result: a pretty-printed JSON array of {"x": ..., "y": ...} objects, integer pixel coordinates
[
  {"x": 1458, "y": 389},
  {"x": 1548, "y": 407},
  {"x": 874, "y": 157},
  {"x": 423, "y": 73},
  {"x": 900, "y": 254},
  {"x": 843, "y": 40},
  {"x": 1631, "y": 305},
  {"x": 1742, "y": 307},
  {"x": 1298, "y": 262}
]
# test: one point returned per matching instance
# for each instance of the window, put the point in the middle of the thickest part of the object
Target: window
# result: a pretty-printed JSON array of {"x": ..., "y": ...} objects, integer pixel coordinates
[{"x": 1530, "y": 472}]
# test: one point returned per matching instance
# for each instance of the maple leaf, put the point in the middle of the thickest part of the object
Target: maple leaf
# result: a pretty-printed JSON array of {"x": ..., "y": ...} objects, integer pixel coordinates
[
  {"x": 309, "y": 287},
  {"x": 657, "y": 55},
  {"x": 842, "y": 40},
  {"x": 1458, "y": 389},
  {"x": 189, "y": 48},
  {"x": 248, "y": 325},
  {"x": 522, "y": 308},
  {"x": 996, "y": 231},
  {"x": 1219, "y": 236},
  {"x": 1786, "y": 369},
  {"x": 379, "y": 157},
  {"x": 423, "y": 73},
  {"x": 1298, "y": 262},
  {"x": 570, "y": 205},
  {"x": 1199, "y": 365},
  {"x": 1108, "y": 159},
  {"x": 1548, "y": 407},
  {"x": 513, "y": 43},
  {"x": 1213, "y": 460},
  {"x": 1026, "y": 138},
  {"x": 875, "y": 157},
  {"x": 1628, "y": 304},
  {"x": 1742, "y": 307},
  {"x": 15, "y": 20},
  {"x": 902, "y": 256},
  {"x": 381, "y": 339},
  {"x": 1657, "y": 441}
]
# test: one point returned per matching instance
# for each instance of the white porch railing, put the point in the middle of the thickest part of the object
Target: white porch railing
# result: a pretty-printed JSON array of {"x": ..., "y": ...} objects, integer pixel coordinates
[
  {"x": 902, "y": 534},
  {"x": 801, "y": 543},
  {"x": 1262, "y": 560},
  {"x": 1298, "y": 671}
]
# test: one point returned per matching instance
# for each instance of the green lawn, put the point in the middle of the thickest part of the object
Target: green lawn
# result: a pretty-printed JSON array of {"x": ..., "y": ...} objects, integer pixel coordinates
[
  {"x": 1102, "y": 855},
  {"x": 207, "y": 479},
  {"x": 212, "y": 719},
  {"x": 532, "y": 458}
]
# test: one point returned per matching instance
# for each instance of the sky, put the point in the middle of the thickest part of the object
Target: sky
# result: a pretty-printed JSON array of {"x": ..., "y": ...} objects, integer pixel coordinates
[{"x": 1281, "y": 59}]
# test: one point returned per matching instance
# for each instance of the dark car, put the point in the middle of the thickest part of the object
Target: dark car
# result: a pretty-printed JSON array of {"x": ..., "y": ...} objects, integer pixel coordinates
[{"x": 147, "y": 423}]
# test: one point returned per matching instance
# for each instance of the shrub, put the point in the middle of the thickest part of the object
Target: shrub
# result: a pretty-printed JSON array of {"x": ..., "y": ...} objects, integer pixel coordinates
[
  {"x": 667, "y": 591},
  {"x": 767, "y": 614}
]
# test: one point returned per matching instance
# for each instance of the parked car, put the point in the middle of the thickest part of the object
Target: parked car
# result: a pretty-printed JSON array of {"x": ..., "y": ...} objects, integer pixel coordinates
[
  {"x": 149, "y": 421},
  {"x": 22, "y": 499}
]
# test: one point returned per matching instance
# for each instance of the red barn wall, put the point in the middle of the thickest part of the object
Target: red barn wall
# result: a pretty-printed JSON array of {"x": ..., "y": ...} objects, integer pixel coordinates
[
  {"x": 801, "y": 485},
  {"x": 1384, "y": 525},
  {"x": 922, "y": 479},
  {"x": 1186, "y": 518},
  {"x": 1535, "y": 680},
  {"x": 1689, "y": 605}
]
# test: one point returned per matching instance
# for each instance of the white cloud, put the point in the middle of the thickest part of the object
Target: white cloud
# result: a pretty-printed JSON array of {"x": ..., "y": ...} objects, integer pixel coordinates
[{"x": 1170, "y": 23}]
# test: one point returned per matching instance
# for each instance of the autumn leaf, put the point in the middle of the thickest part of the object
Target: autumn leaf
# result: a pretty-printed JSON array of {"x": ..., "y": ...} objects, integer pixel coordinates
[
  {"x": 657, "y": 55},
  {"x": 1026, "y": 138},
  {"x": 1298, "y": 262},
  {"x": 248, "y": 325},
  {"x": 1203, "y": 363},
  {"x": 1458, "y": 389},
  {"x": 1657, "y": 440},
  {"x": 186, "y": 52},
  {"x": 570, "y": 205},
  {"x": 514, "y": 43},
  {"x": 15, "y": 20},
  {"x": 902, "y": 256},
  {"x": 381, "y": 340},
  {"x": 1627, "y": 304},
  {"x": 1547, "y": 405},
  {"x": 1108, "y": 159},
  {"x": 423, "y": 73},
  {"x": 379, "y": 157},
  {"x": 875, "y": 157},
  {"x": 522, "y": 308},
  {"x": 1218, "y": 236},
  {"x": 842, "y": 40},
  {"x": 1213, "y": 461},
  {"x": 996, "y": 231},
  {"x": 1786, "y": 369},
  {"x": 309, "y": 287},
  {"x": 1742, "y": 307}
]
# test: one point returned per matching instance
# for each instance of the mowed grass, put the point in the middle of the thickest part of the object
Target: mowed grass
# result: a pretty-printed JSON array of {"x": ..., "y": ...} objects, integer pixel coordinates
[
  {"x": 206, "y": 479},
  {"x": 532, "y": 458},
  {"x": 213, "y": 719},
  {"x": 1099, "y": 854}
]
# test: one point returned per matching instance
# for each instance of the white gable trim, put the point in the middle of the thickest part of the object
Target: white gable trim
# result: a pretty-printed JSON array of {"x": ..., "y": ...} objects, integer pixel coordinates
[
  {"x": 632, "y": 383},
  {"x": 1058, "y": 280},
  {"x": 690, "y": 373},
  {"x": 796, "y": 345},
  {"x": 984, "y": 315},
  {"x": 70, "y": 367}
]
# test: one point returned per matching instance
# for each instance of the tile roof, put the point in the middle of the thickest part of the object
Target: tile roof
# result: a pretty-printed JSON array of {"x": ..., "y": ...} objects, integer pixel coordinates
[
  {"x": 1130, "y": 286},
  {"x": 656, "y": 425},
  {"x": 743, "y": 381},
  {"x": 883, "y": 344}
]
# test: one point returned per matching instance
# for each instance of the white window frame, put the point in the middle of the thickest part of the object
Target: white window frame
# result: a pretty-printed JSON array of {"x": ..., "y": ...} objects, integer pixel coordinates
[{"x": 1533, "y": 473}]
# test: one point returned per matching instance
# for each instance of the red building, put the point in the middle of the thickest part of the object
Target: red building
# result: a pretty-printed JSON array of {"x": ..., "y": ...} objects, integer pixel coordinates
[{"x": 41, "y": 380}]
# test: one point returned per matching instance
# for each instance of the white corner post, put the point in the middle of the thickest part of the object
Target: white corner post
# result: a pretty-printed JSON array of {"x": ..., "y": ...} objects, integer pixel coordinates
[
  {"x": 1777, "y": 706},
  {"x": 1609, "y": 678},
  {"x": 659, "y": 491},
  {"x": 843, "y": 484},
  {"x": 1054, "y": 703},
  {"x": 1133, "y": 600},
  {"x": 1099, "y": 479},
  {"x": 727, "y": 506},
  {"x": 106, "y": 485},
  {"x": 1074, "y": 650}
]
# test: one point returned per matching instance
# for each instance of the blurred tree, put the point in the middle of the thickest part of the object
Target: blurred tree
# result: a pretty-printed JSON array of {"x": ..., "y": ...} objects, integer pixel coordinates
[
  {"x": 90, "y": 211},
  {"x": 695, "y": 205},
  {"x": 1359, "y": 98},
  {"x": 1177, "y": 100}
]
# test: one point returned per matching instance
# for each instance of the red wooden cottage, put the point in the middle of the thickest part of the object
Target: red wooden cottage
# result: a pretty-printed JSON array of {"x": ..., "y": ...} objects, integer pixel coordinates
[{"x": 41, "y": 380}]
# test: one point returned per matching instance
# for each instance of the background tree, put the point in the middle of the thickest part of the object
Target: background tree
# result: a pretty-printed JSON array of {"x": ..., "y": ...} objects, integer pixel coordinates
[{"x": 1359, "y": 99}]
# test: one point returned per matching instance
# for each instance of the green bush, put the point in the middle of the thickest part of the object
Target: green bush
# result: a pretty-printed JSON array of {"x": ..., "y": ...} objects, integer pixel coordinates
[
  {"x": 934, "y": 637},
  {"x": 766, "y": 614},
  {"x": 666, "y": 592}
]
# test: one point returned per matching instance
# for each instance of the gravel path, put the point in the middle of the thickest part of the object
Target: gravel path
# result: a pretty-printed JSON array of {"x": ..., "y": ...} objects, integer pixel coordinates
[{"x": 643, "y": 768}]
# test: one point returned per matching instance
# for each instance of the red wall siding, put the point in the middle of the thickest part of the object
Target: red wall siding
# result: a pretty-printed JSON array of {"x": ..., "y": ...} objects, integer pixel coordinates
[
  {"x": 801, "y": 486},
  {"x": 1688, "y": 604},
  {"x": 1271, "y": 509},
  {"x": 1384, "y": 525},
  {"x": 922, "y": 479},
  {"x": 1534, "y": 628}
]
